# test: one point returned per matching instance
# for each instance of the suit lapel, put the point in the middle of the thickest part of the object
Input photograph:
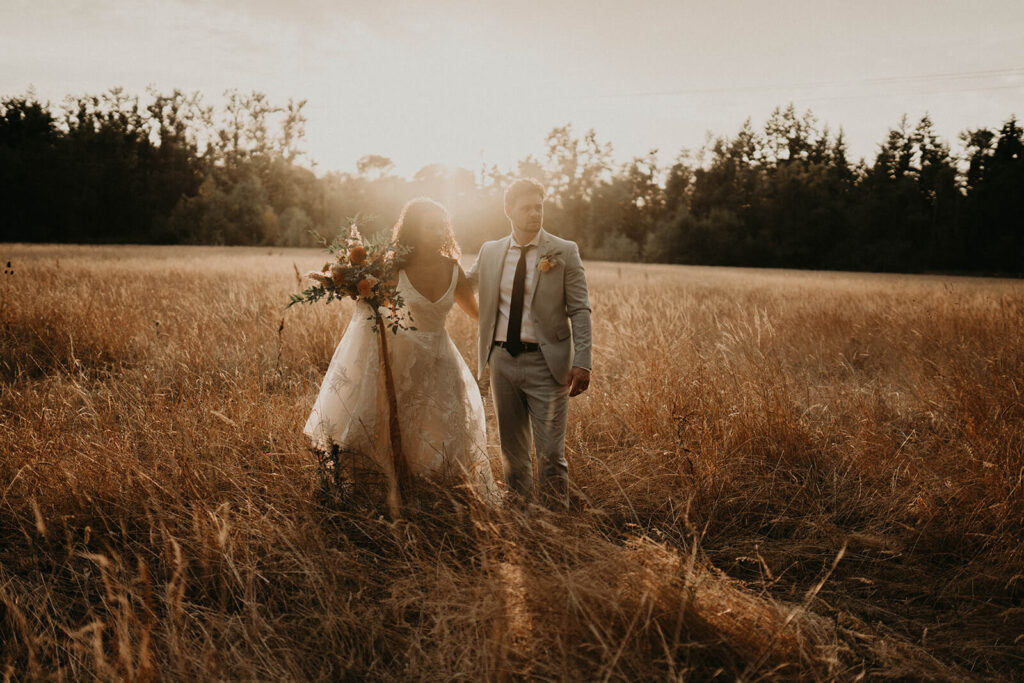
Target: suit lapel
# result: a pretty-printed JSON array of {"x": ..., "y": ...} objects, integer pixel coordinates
[{"x": 542, "y": 247}]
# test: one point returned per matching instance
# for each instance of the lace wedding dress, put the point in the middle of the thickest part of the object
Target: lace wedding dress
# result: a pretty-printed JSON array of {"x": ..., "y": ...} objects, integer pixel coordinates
[{"x": 440, "y": 412}]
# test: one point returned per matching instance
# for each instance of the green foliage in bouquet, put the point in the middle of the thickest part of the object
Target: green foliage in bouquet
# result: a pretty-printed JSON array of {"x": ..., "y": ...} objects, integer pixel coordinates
[{"x": 364, "y": 269}]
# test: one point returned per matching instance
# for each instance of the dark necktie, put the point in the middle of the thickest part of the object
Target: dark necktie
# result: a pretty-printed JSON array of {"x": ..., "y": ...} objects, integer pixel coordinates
[{"x": 515, "y": 310}]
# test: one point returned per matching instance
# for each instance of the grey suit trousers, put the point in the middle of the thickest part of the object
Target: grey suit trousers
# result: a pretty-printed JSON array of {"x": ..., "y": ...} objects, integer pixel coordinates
[{"x": 527, "y": 398}]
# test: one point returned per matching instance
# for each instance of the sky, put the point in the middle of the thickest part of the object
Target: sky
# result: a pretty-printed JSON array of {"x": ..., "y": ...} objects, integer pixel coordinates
[{"x": 468, "y": 83}]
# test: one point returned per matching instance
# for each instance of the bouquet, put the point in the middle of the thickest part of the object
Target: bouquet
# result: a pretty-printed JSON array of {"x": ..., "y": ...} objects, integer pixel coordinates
[{"x": 364, "y": 270}]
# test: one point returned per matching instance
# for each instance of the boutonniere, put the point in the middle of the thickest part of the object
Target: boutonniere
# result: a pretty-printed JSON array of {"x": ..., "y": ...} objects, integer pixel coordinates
[{"x": 548, "y": 261}]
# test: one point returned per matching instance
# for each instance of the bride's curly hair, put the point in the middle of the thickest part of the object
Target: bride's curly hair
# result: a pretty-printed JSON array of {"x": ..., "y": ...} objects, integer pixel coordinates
[{"x": 406, "y": 231}]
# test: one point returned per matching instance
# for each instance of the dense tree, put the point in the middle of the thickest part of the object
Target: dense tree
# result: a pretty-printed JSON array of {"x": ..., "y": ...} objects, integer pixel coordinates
[
  {"x": 29, "y": 155},
  {"x": 171, "y": 169},
  {"x": 992, "y": 234},
  {"x": 575, "y": 167}
]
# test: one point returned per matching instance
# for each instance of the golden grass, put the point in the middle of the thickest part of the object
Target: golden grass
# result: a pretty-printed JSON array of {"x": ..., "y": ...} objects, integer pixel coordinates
[{"x": 782, "y": 474}]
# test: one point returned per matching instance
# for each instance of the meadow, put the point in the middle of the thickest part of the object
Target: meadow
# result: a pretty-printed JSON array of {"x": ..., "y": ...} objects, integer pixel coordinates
[{"x": 780, "y": 474}]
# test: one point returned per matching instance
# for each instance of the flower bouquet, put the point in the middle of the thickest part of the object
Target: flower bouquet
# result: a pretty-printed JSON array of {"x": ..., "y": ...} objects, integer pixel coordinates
[{"x": 365, "y": 270}]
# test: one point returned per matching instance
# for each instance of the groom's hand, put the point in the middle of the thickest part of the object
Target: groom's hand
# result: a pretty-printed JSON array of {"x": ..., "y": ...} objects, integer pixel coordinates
[{"x": 579, "y": 380}]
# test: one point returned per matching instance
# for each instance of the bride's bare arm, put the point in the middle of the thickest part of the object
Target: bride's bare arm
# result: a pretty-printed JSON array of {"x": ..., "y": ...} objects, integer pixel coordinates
[{"x": 465, "y": 297}]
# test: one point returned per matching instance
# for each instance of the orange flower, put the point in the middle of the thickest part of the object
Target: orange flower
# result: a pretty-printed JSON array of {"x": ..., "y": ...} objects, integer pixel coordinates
[
  {"x": 365, "y": 286},
  {"x": 357, "y": 255},
  {"x": 387, "y": 291},
  {"x": 338, "y": 274},
  {"x": 548, "y": 261}
]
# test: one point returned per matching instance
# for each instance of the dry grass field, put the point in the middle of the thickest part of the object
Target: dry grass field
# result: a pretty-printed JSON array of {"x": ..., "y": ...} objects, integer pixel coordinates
[{"x": 781, "y": 475}]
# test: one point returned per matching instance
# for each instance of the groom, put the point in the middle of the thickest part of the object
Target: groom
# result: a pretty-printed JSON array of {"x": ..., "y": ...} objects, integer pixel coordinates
[{"x": 532, "y": 286}]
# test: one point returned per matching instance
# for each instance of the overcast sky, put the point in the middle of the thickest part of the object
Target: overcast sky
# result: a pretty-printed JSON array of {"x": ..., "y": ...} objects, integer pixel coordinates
[{"x": 464, "y": 82}]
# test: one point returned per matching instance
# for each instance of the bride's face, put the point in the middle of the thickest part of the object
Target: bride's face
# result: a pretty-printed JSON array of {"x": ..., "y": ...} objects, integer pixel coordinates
[{"x": 431, "y": 232}]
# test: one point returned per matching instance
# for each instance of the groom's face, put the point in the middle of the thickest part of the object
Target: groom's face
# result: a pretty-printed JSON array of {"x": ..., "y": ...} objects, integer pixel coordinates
[{"x": 527, "y": 213}]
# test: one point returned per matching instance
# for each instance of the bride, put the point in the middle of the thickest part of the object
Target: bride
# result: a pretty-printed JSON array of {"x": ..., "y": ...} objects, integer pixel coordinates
[{"x": 440, "y": 411}]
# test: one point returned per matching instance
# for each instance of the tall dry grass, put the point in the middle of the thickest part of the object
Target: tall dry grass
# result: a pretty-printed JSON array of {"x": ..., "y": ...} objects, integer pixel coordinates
[{"x": 781, "y": 474}]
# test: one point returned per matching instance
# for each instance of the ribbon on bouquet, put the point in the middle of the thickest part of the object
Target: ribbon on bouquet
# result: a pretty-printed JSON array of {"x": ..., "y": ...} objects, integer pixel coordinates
[{"x": 389, "y": 439}]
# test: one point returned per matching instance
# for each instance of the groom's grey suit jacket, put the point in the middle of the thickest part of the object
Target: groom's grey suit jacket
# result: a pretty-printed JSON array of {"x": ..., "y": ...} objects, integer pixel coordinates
[{"x": 559, "y": 298}]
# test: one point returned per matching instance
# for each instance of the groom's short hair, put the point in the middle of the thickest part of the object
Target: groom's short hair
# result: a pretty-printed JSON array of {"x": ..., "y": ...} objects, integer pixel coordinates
[{"x": 522, "y": 187}]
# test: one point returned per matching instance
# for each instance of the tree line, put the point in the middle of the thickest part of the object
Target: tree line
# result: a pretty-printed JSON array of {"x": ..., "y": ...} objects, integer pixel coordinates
[{"x": 170, "y": 169}]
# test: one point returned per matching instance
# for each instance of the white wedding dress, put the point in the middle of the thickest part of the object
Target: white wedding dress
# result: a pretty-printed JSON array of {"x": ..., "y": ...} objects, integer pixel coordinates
[{"x": 440, "y": 411}]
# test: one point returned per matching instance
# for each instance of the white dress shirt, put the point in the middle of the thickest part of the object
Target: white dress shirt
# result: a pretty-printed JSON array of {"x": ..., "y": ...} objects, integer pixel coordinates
[{"x": 508, "y": 275}]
